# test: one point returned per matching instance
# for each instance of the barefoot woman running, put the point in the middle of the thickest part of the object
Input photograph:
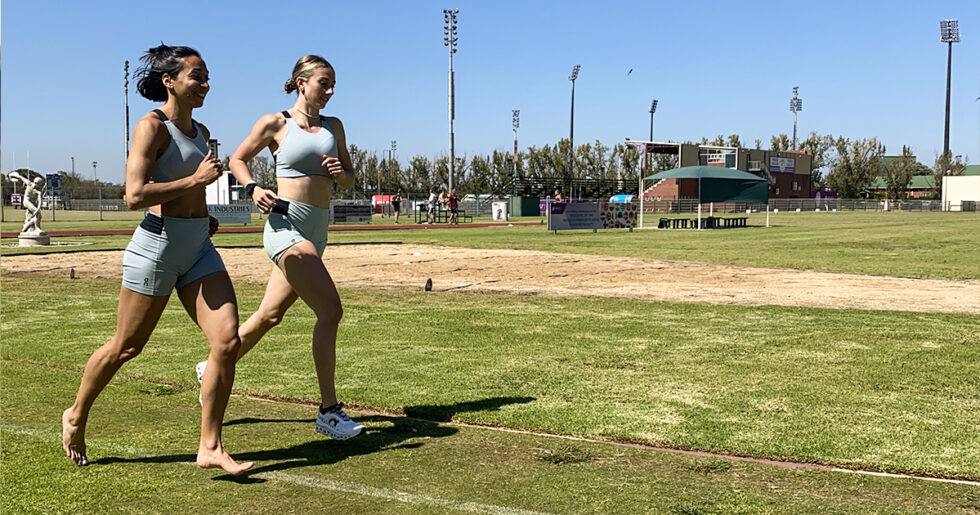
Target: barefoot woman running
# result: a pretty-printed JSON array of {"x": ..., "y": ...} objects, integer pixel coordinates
[
  {"x": 169, "y": 165},
  {"x": 311, "y": 154}
]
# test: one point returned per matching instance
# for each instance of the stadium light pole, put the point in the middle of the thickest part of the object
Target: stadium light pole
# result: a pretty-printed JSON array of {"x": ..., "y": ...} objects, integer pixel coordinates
[
  {"x": 571, "y": 132},
  {"x": 450, "y": 40},
  {"x": 126, "y": 108},
  {"x": 795, "y": 105},
  {"x": 516, "y": 123},
  {"x": 949, "y": 33},
  {"x": 653, "y": 109},
  {"x": 95, "y": 172},
  {"x": 391, "y": 156}
]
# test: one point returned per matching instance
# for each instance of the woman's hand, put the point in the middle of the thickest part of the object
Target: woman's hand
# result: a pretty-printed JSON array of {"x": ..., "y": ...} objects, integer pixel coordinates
[
  {"x": 343, "y": 178},
  {"x": 213, "y": 227},
  {"x": 264, "y": 199},
  {"x": 332, "y": 165},
  {"x": 209, "y": 170}
]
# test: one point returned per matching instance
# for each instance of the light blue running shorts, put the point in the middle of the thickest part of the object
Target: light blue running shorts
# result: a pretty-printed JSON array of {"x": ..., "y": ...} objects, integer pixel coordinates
[
  {"x": 167, "y": 252},
  {"x": 291, "y": 222}
]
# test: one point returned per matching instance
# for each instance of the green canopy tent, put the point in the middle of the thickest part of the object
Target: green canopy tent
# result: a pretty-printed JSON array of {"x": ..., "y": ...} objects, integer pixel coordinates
[{"x": 717, "y": 184}]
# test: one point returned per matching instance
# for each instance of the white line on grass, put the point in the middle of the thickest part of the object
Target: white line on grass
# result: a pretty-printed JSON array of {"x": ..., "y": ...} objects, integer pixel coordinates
[{"x": 311, "y": 482}]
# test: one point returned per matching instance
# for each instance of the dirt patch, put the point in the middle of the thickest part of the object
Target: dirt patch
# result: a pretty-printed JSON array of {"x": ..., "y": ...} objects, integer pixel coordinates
[{"x": 542, "y": 273}]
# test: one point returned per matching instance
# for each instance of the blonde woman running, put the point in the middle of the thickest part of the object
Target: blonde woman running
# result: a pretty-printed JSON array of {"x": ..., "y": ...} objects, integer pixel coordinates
[{"x": 310, "y": 154}]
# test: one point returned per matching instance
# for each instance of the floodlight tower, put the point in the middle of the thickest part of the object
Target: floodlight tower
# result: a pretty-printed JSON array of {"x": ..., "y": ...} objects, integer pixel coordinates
[
  {"x": 571, "y": 132},
  {"x": 95, "y": 172},
  {"x": 653, "y": 109},
  {"x": 517, "y": 123},
  {"x": 795, "y": 105},
  {"x": 949, "y": 33},
  {"x": 450, "y": 40}
]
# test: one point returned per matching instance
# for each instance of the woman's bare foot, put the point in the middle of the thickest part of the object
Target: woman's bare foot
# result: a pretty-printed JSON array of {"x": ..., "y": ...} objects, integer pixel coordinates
[
  {"x": 73, "y": 439},
  {"x": 218, "y": 458}
]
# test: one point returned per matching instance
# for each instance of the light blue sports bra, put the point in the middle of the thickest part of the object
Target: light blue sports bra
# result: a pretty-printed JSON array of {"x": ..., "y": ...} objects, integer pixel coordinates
[
  {"x": 301, "y": 153},
  {"x": 182, "y": 156}
]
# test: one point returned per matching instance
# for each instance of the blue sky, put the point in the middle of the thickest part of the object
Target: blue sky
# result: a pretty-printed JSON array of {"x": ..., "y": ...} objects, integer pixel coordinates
[{"x": 865, "y": 69}]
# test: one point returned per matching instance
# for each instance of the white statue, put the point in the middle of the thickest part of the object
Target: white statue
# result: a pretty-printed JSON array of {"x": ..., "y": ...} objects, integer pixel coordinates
[{"x": 32, "y": 209}]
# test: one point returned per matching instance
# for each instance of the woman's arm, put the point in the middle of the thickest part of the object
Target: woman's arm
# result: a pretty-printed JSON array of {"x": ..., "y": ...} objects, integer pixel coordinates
[
  {"x": 150, "y": 138},
  {"x": 262, "y": 136},
  {"x": 343, "y": 170}
]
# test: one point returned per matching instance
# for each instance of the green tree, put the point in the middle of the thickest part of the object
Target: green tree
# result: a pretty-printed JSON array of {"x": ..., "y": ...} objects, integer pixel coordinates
[
  {"x": 820, "y": 148},
  {"x": 263, "y": 172},
  {"x": 779, "y": 143},
  {"x": 419, "y": 175},
  {"x": 898, "y": 173},
  {"x": 855, "y": 166},
  {"x": 629, "y": 163},
  {"x": 592, "y": 160},
  {"x": 502, "y": 170},
  {"x": 561, "y": 161},
  {"x": 440, "y": 174},
  {"x": 370, "y": 174},
  {"x": 945, "y": 165},
  {"x": 481, "y": 173},
  {"x": 540, "y": 164}
]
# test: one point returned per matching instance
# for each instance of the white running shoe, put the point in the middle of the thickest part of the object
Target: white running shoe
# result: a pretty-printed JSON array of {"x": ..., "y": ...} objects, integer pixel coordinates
[
  {"x": 200, "y": 379},
  {"x": 200, "y": 371},
  {"x": 336, "y": 424}
]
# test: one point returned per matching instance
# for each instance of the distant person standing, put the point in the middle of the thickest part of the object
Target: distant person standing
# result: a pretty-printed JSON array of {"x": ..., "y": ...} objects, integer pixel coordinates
[
  {"x": 396, "y": 204},
  {"x": 431, "y": 205},
  {"x": 558, "y": 197},
  {"x": 453, "y": 202},
  {"x": 443, "y": 200}
]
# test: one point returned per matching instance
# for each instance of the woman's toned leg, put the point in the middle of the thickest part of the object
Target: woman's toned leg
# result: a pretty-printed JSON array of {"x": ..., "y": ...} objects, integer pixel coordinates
[
  {"x": 303, "y": 268},
  {"x": 136, "y": 317},
  {"x": 279, "y": 297},
  {"x": 210, "y": 301}
]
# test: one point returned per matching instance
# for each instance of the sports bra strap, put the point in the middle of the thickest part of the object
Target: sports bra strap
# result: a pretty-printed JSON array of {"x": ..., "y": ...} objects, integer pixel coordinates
[
  {"x": 286, "y": 114},
  {"x": 160, "y": 114}
]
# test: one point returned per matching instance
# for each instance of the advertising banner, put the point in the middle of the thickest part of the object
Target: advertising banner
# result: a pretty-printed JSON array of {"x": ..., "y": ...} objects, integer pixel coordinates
[
  {"x": 350, "y": 213},
  {"x": 782, "y": 165},
  {"x": 618, "y": 215},
  {"x": 500, "y": 211},
  {"x": 231, "y": 213},
  {"x": 586, "y": 215}
]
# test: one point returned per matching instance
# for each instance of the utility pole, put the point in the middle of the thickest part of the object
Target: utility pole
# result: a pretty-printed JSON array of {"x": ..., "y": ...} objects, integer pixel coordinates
[{"x": 96, "y": 173}]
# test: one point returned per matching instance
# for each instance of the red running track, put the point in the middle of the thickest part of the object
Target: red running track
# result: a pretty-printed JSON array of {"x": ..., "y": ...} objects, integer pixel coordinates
[{"x": 127, "y": 232}]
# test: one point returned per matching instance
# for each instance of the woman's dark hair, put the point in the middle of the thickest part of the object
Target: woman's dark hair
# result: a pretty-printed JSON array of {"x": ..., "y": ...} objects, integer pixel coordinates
[{"x": 157, "y": 62}]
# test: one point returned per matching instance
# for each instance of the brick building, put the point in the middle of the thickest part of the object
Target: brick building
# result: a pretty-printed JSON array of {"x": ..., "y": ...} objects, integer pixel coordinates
[{"x": 788, "y": 172}]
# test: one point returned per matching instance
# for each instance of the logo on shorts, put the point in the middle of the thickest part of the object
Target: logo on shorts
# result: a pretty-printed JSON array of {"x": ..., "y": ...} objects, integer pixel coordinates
[{"x": 146, "y": 281}]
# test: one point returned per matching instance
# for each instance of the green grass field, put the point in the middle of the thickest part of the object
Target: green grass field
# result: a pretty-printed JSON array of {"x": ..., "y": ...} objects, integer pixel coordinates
[{"x": 435, "y": 376}]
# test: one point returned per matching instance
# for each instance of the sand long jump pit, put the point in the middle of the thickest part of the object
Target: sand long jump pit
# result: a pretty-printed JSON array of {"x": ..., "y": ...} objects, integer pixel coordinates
[{"x": 408, "y": 266}]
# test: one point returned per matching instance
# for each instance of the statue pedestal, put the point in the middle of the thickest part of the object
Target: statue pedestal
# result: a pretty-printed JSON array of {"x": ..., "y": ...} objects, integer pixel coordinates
[{"x": 34, "y": 239}]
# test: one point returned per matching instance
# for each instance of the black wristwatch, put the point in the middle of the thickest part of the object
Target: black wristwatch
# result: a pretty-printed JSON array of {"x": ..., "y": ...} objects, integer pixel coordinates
[{"x": 249, "y": 188}]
